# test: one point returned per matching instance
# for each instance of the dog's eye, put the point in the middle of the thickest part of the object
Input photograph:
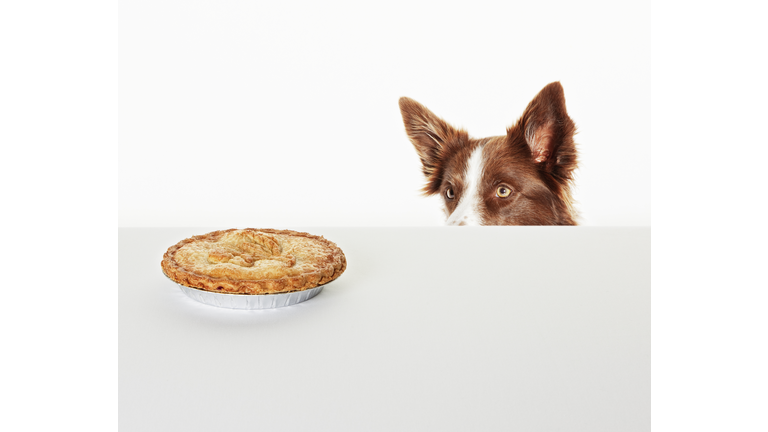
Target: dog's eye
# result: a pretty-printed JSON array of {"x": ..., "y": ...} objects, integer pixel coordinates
[
  {"x": 449, "y": 193},
  {"x": 503, "y": 191}
]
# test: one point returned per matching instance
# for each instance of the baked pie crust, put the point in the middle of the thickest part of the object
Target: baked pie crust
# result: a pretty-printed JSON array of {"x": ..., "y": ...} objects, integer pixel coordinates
[{"x": 254, "y": 261}]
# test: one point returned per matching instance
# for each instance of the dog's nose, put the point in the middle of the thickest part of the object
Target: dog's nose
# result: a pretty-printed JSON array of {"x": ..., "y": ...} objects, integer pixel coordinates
[{"x": 458, "y": 221}]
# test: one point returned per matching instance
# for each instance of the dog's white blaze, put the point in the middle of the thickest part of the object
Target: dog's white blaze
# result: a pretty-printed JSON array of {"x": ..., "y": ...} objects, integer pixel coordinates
[{"x": 467, "y": 211}]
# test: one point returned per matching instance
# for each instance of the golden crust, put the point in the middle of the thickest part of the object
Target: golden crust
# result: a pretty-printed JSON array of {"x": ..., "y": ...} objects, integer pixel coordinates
[{"x": 254, "y": 261}]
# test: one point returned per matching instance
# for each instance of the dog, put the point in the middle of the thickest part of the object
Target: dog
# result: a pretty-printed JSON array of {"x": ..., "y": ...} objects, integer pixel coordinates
[{"x": 521, "y": 178}]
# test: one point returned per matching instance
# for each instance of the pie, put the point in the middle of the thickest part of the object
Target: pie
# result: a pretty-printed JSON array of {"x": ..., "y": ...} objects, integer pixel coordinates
[{"x": 254, "y": 261}]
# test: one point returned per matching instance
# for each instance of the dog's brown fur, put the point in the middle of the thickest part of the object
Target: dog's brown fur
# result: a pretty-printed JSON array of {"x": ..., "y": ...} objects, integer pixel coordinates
[{"x": 535, "y": 159}]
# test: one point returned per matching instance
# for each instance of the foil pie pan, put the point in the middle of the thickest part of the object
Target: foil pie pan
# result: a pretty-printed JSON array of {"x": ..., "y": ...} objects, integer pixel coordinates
[{"x": 249, "y": 301}]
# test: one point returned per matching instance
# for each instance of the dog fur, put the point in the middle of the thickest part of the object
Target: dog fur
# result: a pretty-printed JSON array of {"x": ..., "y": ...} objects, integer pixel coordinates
[{"x": 521, "y": 178}]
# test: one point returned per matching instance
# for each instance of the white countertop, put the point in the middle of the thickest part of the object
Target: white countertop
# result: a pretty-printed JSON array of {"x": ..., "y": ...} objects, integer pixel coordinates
[{"x": 429, "y": 329}]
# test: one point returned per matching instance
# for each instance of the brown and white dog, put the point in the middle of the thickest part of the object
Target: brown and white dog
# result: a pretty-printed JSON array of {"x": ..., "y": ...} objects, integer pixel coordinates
[{"x": 521, "y": 178}]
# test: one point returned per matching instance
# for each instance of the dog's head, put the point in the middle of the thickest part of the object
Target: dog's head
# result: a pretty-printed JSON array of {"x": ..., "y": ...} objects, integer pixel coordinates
[{"x": 521, "y": 178}]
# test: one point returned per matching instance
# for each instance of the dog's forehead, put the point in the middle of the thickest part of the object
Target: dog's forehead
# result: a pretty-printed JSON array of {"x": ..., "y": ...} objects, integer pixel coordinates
[
  {"x": 497, "y": 148},
  {"x": 502, "y": 160},
  {"x": 456, "y": 166},
  {"x": 488, "y": 160}
]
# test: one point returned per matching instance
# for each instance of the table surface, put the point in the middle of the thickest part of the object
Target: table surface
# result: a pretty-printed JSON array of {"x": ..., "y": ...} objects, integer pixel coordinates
[{"x": 443, "y": 329}]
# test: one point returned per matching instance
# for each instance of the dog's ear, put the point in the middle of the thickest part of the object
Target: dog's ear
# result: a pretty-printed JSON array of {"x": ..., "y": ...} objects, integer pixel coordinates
[
  {"x": 549, "y": 131},
  {"x": 432, "y": 137}
]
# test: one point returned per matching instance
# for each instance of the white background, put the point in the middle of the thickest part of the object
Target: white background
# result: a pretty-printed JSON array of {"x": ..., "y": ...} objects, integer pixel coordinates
[{"x": 280, "y": 114}]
